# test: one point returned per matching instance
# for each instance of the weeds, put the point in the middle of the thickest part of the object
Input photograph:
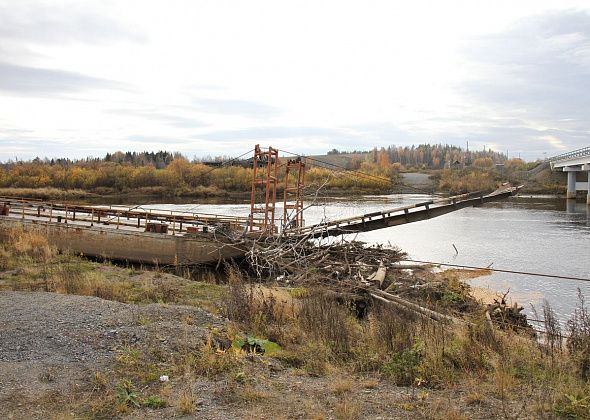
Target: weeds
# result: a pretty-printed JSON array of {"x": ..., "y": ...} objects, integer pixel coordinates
[
  {"x": 403, "y": 367},
  {"x": 326, "y": 320},
  {"x": 186, "y": 403},
  {"x": 153, "y": 401},
  {"x": 126, "y": 394},
  {"x": 578, "y": 344},
  {"x": 347, "y": 410}
]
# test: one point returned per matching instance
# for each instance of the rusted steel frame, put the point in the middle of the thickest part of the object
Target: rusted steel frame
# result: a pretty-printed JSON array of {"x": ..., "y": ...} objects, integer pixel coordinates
[
  {"x": 90, "y": 219},
  {"x": 268, "y": 181},
  {"x": 80, "y": 211},
  {"x": 297, "y": 189},
  {"x": 113, "y": 210},
  {"x": 254, "y": 181}
]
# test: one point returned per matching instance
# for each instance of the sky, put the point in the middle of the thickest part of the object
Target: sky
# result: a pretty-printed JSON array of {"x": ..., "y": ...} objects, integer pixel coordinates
[{"x": 83, "y": 78}]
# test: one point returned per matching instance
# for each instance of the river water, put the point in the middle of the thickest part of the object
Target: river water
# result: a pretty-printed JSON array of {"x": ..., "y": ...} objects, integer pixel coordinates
[{"x": 540, "y": 234}]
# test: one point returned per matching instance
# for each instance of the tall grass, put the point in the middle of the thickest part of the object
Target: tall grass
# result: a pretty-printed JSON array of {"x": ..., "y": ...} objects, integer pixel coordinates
[{"x": 578, "y": 343}]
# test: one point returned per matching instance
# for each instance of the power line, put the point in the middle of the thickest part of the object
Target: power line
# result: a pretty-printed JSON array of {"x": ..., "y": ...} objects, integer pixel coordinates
[
  {"x": 226, "y": 162},
  {"x": 343, "y": 168},
  {"x": 498, "y": 270},
  {"x": 360, "y": 173}
]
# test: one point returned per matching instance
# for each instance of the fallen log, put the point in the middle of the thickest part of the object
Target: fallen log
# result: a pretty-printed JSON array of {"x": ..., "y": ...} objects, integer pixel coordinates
[{"x": 429, "y": 313}]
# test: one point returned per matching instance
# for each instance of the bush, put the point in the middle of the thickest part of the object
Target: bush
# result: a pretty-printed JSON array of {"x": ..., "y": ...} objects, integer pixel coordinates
[
  {"x": 403, "y": 366},
  {"x": 578, "y": 344}
]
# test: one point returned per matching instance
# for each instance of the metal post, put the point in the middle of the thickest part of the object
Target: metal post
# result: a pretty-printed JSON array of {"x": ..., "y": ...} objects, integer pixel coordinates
[
  {"x": 588, "y": 194},
  {"x": 92, "y": 218},
  {"x": 571, "y": 185}
]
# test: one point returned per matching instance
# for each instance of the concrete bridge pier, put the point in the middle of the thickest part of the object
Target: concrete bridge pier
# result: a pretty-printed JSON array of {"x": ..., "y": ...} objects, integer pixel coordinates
[
  {"x": 573, "y": 185},
  {"x": 572, "y": 163},
  {"x": 571, "y": 182}
]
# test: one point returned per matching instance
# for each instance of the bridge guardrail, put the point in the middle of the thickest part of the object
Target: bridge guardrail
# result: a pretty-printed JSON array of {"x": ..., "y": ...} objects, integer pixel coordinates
[{"x": 585, "y": 151}]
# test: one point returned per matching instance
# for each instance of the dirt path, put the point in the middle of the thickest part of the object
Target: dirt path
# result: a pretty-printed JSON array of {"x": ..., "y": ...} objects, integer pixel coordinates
[
  {"x": 418, "y": 181},
  {"x": 51, "y": 344}
]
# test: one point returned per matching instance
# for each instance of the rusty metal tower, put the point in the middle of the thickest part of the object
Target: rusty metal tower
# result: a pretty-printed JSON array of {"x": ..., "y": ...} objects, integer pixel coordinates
[
  {"x": 294, "y": 183},
  {"x": 264, "y": 184}
]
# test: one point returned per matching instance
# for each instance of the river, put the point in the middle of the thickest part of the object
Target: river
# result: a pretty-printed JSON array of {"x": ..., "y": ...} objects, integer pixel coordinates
[{"x": 540, "y": 234}]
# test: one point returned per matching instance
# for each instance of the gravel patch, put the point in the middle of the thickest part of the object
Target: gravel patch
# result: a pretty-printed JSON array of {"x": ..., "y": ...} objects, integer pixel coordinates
[{"x": 52, "y": 343}]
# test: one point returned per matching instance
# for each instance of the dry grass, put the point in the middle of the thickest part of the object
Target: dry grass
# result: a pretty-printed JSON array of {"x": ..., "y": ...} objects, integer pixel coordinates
[
  {"x": 347, "y": 410},
  {"x": 29, "y": 243},
  {"x": 370, "y": 384},
  {"x": 475, "y": 398},
  {"x": 249, "y": 394},
  {"x": 186, "y": 403},
  {"x": 45, "y": 193},
  {"x": 341, "y": 386}
]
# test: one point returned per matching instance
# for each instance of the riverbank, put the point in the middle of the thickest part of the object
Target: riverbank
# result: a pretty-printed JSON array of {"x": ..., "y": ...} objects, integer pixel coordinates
[
  {"x": 225, "y": 349},
  {"x": 160, "y": 194},
  {"x": 149, "y": 195}
]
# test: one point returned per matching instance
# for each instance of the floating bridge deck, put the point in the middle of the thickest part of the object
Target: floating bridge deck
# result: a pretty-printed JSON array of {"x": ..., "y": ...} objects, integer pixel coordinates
[{"x": 401, "y": 215}]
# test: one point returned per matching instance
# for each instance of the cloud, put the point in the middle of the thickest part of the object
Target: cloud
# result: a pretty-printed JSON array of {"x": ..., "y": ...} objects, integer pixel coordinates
[
  {"x": 35, "y": 81},
  {"x": 235, "y": 107},
  {"x": 45, "y": 23},
  {"x": 164, "y": 117},
  {"x": 266, "y": 133},
  {"x": 303, "y": 139},
  {"x": 541, "y": 65},
  {"x": 535, "y": 75},
  {"x": 141, "y": 138}
]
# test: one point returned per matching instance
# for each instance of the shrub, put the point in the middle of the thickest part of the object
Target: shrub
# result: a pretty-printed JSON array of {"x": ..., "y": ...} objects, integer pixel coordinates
[
  {"x": 402, "y": 367},
  {"x": 153, "y": 401},
  {"x": 578, "y": 328}
]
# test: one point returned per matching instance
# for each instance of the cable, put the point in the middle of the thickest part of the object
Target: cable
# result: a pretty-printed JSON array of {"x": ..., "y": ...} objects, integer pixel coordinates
[
  {"x": 360, "y": 173},
  {"x": 226, "y": 162},
  {"x": 555, "y": 276},
  {"x": 381, "y": 178}
]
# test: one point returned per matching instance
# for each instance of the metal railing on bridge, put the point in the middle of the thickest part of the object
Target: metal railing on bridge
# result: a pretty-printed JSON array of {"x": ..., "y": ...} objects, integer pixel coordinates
[{"x": 585, "y": 151}]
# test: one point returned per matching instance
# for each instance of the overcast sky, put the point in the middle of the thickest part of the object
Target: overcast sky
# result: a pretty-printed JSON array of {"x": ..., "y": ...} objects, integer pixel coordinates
[{"x": 82, "y": 78}]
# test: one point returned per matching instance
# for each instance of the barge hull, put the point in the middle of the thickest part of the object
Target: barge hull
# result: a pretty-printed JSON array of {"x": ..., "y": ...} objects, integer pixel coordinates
[{"x": 147, "y": 248}]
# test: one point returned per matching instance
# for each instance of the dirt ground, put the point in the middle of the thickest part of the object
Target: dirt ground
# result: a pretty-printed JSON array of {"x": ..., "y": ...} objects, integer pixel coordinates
[{"x": 53, "y": 345}]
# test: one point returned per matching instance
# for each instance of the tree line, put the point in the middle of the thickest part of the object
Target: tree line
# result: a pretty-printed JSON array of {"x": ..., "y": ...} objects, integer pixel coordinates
[{"x": 166, "y": 172}]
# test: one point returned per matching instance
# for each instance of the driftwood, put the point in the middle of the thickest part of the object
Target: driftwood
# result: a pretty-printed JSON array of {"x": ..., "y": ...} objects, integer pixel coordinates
[
  {"x": 506, "y": 316},
  {"x": 354, "y": 271},
  {"x": 397, "y": 301},
  {"x": 378, "y": 277}
]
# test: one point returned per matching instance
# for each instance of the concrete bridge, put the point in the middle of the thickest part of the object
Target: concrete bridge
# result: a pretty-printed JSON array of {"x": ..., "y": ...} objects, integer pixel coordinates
[{"x": 577, "y": 166}]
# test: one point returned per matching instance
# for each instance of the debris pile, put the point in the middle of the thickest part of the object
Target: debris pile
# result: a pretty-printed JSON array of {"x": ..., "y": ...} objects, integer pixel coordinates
[
  {"x": 507, "y": 316},
  {"x": 362, "y": 273}
]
